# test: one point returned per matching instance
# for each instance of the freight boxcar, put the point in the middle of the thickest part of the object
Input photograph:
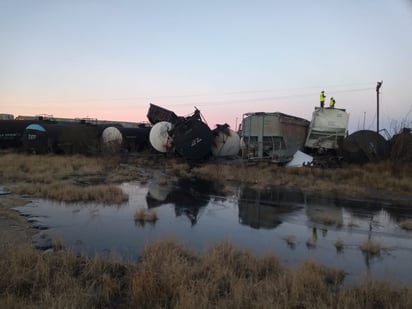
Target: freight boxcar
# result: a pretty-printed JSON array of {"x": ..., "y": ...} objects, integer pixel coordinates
[{"x": 274, "y": 136}]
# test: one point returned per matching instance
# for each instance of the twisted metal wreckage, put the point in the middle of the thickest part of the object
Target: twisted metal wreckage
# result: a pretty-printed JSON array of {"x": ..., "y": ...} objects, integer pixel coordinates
[{"x": 276, "y": 137}]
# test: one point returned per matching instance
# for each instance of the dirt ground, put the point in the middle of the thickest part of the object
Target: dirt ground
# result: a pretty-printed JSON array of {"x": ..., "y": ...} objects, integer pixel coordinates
[{"x": 14, "y": 229}]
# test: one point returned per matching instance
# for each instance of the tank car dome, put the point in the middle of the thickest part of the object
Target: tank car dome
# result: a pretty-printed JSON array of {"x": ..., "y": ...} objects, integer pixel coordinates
[
  {"x": 159, "y": 136},
  {"x": 112, "y": 138},
  {"x": 111, "y": 134},
  {"x": 35, "y": 127},
  {"x": 226, "y": 143}
]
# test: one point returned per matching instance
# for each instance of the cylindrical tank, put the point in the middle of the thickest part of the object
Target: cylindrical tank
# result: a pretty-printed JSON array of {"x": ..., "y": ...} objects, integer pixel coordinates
[
  {"x": 35, "y": 139},
  {"x": 111, "y": 139},
  {"x": 11, "y": 132},
  {"x": 365, "y": 146},
  {"x": 402, "y": 146},
  {"x": 61, "y": 138},
  {"x": 192, "y": 139},
  {"x": 159, "y": 136},
  {"x": 135, "y": 139},
  {"x": 226, "y": 142}
]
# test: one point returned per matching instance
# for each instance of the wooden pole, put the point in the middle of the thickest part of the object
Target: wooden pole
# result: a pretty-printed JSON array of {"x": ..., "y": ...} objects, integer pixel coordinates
[{"x": 378, "y": 86}]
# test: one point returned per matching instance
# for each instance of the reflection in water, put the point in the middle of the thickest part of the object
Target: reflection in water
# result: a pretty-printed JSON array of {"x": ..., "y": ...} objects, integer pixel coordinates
[
  {"x": 264, "y": 209},
  {"x": 322, "y": 210},
  {"x": 189, "y": 196},
  {"x": 304, "y": 220},
  {"x": 367, "y": 209}
]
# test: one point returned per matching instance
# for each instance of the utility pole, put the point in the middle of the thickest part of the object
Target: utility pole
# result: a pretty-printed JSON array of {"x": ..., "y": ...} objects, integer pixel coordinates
[{"x": 378, "y": 86}]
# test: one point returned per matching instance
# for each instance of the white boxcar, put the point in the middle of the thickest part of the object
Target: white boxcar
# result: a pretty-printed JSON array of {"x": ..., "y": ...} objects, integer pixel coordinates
[{"x": 328, "y": 127}]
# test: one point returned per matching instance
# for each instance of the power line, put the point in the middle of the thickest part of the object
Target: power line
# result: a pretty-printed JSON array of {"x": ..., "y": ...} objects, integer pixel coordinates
[
  {"x": 237, "y": 101},
  {"x": 212, "y": 94},
  {"x": 273, "y": 98}
]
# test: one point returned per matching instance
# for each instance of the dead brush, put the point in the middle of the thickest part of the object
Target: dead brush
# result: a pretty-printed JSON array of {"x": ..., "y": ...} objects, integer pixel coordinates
[
  {"x": 327, "y": 219},
  {"x": 58, "y": 243},
  {"x": 291, "y": 241},
  {"x": 339, "y": 244},
  {"x": 406, "y": 224},
  {"x": 151, "y": 216},
  {"x": 170, "y": 275},
  {"x": 142, "y": 216},
  {"x": 139, "y": 215},
  {"x": 61, "y": 191},
  {"x": 371, "y": 247}
]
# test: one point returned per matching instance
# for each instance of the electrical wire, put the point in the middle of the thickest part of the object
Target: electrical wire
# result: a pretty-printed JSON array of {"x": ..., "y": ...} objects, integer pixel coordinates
[{"x": 216, "y": 94}]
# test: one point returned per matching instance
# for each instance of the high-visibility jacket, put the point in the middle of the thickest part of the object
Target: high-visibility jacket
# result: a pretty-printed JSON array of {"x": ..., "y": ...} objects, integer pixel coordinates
[
  {"x": 322, "y": 97},
  {"x": 332, "y": 102}
]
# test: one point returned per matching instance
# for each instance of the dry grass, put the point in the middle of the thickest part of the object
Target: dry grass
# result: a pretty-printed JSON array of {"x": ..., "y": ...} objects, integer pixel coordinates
[
  {"x": 141, "y": 216},
  {"x": 311, "y": 243},
  {"x": 406, "y": 224},
  {"x": 371, "y": 247},
  {"x": 351, "y": 180},
  {"x": 52, "y": 177},
  {"x": 61, "y": 191},
  {"x": 339, "y": 244},
  {"x": 58, "y": 243},
  {"x": 328, "y": 219},
  {"x": 291, "y": 241},
  {"x": 42, "y": 168},
  {"x": 151, "y": 216},
  {"x": 57, "y": 280},
  {"x": 171, "y": 276}
]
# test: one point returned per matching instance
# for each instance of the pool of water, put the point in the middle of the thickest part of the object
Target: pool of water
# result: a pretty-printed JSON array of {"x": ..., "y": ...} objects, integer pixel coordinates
[{"x": 294, "y": 225}]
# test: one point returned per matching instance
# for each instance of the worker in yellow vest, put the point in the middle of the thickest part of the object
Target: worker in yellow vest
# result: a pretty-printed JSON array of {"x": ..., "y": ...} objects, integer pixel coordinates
[
  {"x": 322, "y": 99},
  {"x": 332, "y": 102}
]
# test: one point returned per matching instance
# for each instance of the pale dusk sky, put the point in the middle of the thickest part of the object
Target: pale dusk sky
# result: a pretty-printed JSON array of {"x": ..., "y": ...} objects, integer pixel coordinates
[{"x": 110, "y": 59}]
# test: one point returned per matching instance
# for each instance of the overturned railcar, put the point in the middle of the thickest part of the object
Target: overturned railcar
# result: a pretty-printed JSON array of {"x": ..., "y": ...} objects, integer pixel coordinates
[
  {"x": 401, "y": 150},
  {"x": 160, "y": 136},
  {"x": 365, "y": 146},
  {"x": 189, "y": 137},
  {"x": 274, "y": 136},
  {"x": 329, "y": 126},
  {"x": 226, "y": 142},
  {"x": 157, "y": 114},
  {"x": 192, "y": 139}
]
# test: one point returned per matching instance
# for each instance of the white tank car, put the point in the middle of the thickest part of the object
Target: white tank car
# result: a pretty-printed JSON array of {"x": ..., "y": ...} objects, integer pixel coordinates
[
  {"x": 112, "y": 139},
  {"x": 226, "y": 143},
  {"x": 159, "y": 136}
]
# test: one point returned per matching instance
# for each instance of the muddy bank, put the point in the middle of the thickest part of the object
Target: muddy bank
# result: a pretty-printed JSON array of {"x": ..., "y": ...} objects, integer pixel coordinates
[{"x": 14, "y": 229}]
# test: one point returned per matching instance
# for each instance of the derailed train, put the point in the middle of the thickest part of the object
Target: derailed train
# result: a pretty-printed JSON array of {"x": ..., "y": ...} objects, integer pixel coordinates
[
  {"x": 47, "y": 135},
  {"x": 276, "y": 137}
]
